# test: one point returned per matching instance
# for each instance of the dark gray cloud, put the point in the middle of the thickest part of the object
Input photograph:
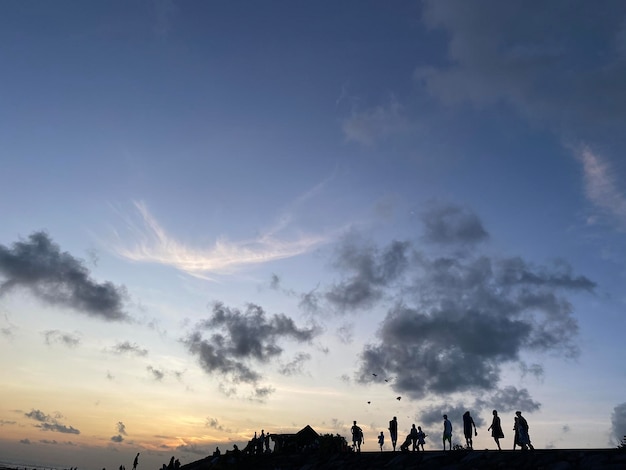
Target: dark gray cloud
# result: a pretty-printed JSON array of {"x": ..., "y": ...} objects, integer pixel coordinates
[
  {"x": 121, "y": 428},
  {"x": 433, "y": 415},
  {"x": 126, "y": 347},
  {"x": 471, "y": 315},
  {"x": 55, "y": 336},
  {"x": 370, "y": 270},
  {"x": 296, "y": 366},
  {"x": 25, "y": 441},
  {"x": 157, "y": 374},
  {"x": 457, "y": 316},
  {"x": 508, "y": 399},
  {"x": 118, "y": 438},
  {"x": 57, "y": 278},
  {"x": 543, "y": 69},
  {"x": 46, "y": 441},
  {"x": 193, "y": 449},
  {"x": 448, "y": 223},
  {"x": 618, "y": 424},
  {"x": 236, "y": 341},
  {"x": 50, "y": 422}
]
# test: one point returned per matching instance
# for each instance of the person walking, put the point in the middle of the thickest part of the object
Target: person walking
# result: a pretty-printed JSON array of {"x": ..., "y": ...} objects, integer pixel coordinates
[
  {"x": 447, "y": 432},
  {"x": 496, "y": 429}
]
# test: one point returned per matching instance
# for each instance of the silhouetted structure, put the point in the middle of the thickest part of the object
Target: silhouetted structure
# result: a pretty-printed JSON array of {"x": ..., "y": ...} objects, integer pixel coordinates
[{"x": 304, "y": 439}]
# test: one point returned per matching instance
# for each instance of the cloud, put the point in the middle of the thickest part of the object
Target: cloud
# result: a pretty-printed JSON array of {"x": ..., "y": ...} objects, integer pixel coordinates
[
  {"x": 156, "y": 373},
  {"x": 4, "y": 422},
  {"x": 193, "y": 449},
  {"x": 618, "y": 423},
  {"x": 56, "y": 336},
  {"x": 237, "y": 341},
  {"x": 25, "y": 441},
  {"x": 118, "y": 438},
  {"x": 296, "y": 366},
  {"x": 370, "y": 270},
  {"x": 542, "y": 68},
  {"x": 154, "y": 245},
  {"x": 46, "y": 441},
  {"x": 50, "y": 423},
  {"x": 374, "y": 124},
  {"x": 126, "y": 347},
  {"x": 451, "y": 224},
  {"x": 455, "y": 319},
  {"x": 121, "y": 428},
  {"x": 601, "y": 188},
  {"x": 57, "y": 278}
]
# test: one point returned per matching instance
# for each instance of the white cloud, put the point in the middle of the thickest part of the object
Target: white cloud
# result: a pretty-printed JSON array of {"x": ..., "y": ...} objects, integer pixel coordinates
[
  {"x": 153, "y": 244},
  {"x": 601, "y": 188}
]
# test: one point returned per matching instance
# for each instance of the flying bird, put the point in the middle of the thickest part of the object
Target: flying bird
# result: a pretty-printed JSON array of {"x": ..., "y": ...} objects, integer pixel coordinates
[
  {"x": 398, "y": 398},
  {"x": 375, "y": 375},
  {"x": 369, "y": 402}
]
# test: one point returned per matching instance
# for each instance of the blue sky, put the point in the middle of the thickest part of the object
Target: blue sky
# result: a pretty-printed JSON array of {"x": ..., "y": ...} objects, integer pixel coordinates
[{"x": 222, "y": 217}]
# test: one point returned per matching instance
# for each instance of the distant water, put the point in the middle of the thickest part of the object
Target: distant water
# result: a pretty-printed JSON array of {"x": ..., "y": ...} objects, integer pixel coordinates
[{"x": 21, "y": 464}]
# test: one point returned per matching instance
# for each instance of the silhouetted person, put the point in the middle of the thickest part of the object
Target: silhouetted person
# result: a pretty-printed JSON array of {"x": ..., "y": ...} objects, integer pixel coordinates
[
  {"x": 522, "y": 426},
  {"x": 393, "y": 431},
  {"x": 404, "y": 447},
  {"x": 413, "y": 435},
  {"x": 447, "y": 432},
  {"x": 170, "y": 466},
  {"x": 496, "y": 429},
  {"x": 357, "y": 437},
  {"x": 381, "y": 440},
  {"x": 176, "y": 464},
  {"x": 421, "y": 436},
  {"x": 468, "y": 423},
  {"x": 217, "y": 452},
  {"x": 136, "y": 461},
  {"x": 267, "y": 442},
  {"x": 516, "y": 433}
]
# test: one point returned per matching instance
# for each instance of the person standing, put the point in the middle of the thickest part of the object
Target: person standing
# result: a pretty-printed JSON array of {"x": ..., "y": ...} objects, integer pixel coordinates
[
  {"x": 447, "y": 432},
  {"x": 136, "y": 461},
  {"x": 381, "y": 440},
  {"x": 524, "y": 436},
  {"x": 468, "y": 423},
  {"x": 496, "y": 429},
  {"x": 393, "y": 431},
  {"x": 414, "y": 436},
  {"x": 357, "y": 437}
]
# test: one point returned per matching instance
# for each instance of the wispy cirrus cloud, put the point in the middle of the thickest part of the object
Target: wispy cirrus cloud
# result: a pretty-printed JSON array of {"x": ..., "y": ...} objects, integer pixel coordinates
[
  {"x": 601, "y": 188},
  {"x": 153, "y": 244}
]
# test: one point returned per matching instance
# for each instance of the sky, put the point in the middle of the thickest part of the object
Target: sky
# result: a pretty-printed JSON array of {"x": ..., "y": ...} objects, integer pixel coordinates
[{"x": 226, "y": 217}]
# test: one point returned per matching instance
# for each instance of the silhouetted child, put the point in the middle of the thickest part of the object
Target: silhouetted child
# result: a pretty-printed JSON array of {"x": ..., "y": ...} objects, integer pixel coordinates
[
  {"x": 357, "y": 437},
  {"x": 381, "y": 440}
]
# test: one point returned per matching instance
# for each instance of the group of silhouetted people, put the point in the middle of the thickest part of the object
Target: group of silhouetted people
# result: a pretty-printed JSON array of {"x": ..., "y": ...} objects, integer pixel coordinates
[{"x": 417, "y": 438}]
